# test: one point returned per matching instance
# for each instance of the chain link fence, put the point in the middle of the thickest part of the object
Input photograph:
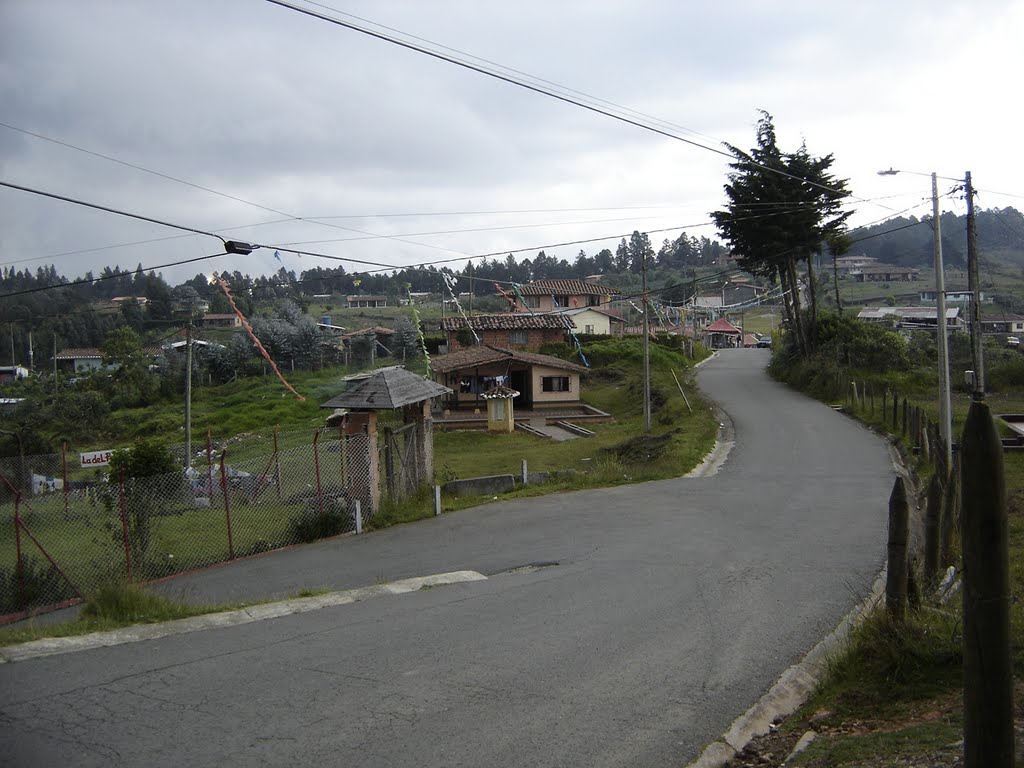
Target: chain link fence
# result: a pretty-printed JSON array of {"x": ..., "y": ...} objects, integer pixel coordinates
[{"x": 65, "y": 531}]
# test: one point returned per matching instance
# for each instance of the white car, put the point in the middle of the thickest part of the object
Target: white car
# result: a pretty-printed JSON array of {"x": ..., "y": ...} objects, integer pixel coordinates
[{"x": 1013, "y": 341}]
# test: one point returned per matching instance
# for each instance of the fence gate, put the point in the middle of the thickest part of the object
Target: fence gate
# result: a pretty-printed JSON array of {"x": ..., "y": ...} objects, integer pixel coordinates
[{"x": 400, "y": 465}]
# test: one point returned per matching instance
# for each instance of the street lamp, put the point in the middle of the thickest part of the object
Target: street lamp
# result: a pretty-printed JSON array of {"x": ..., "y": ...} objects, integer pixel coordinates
[{"x": 945, "y": 405}]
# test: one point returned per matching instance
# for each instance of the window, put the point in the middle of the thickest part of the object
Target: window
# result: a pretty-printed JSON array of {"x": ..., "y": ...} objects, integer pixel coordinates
[
  {"x": 519, "y": 338},
  {"x": 561, "y": 301},
  {"x": 533, "y": 302},
  {"x": 589, "y": 329},
  {"x": 594, "y": 301},
  {"x": 555, "y": 383}
]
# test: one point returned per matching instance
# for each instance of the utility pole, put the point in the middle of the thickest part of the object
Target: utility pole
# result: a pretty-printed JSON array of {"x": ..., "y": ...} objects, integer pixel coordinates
[
  {"x": 974, "y": 287},
  {"x": 945, "y": 417},
  {"x": 188, "y": 392},
  {"x": 647, "y": 350},
  {"x": 12, "y": 346},
  {"x": 31, "y": 354}
]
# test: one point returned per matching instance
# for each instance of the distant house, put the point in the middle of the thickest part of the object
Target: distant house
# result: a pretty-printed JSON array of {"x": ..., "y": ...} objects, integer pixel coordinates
[
  {"x": 882, "y": 273},
  {"x": 9, "y": 373},
  {"x": 911, "y": 318},
  {"x": 599, "y": 321},
  {"x": 79, "y": 360},
  {"x": 89, "y": 359},
  {"x": 1006, "y": 323},
  {"x": 541, "y": 380},
  {"x": 953, "y": 296},
  {"x": 741, "y": 292},
  {"x": 845, "y": 264},
  {"x": 554, "y": 295},
  {"x": 511, "y": 330},
  {"x": 220, "y": 321},
  {"x": 366, "y": 302},
  {"x": 721, "y": 334}
]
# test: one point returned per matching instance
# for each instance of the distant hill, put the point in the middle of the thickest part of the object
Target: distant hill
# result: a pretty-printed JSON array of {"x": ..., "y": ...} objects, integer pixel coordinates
[{"x": 908, "y": 241}]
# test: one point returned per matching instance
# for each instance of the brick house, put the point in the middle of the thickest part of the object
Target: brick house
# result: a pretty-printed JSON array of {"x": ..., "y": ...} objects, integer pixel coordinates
[
  {"x": 553, "y": 295},
  {"x": 510, "y": 331}
]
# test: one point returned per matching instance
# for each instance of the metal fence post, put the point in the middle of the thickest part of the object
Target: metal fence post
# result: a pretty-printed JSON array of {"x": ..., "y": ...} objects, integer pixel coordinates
[
  {"x": 64, "y": 468},
  {"x": 437, "y": 500},
  {"x": 525, "y": 473},
  {"x": 359, "y": 517},
  {"x": 316, "y": 468},
  {"x": 227, "y": 502},
  {"x": 277, "y": 465},
  {"x": 209, "y": 464},
  {"x": 124, "y": 525}
]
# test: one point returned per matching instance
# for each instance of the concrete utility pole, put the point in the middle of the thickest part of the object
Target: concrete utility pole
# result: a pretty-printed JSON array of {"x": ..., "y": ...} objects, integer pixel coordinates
[
  {"x": 647, "y": 350},
  {"x": 974, "y": 287},
  {"x": 945, "y": 417},
  {"x": 188, "y": 393}
]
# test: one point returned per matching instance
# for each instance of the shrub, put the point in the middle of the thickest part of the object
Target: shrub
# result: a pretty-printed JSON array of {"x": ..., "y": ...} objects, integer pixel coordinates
[{"x": 43, "y": 585}]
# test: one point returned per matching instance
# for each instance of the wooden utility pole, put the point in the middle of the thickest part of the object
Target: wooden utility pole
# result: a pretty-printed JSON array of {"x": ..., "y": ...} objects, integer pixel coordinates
[
  {"x": 974, "y": 287},
  {"x": 988, "y": 671}
]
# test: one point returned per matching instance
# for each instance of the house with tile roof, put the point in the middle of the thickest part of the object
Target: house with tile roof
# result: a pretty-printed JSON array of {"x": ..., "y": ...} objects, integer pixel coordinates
[
  {"x": 511, "y": 330},
  {"x": 543, "y": 381},
  {"x": 721, "y": 334},
  {"x": 555, "y": 295}
]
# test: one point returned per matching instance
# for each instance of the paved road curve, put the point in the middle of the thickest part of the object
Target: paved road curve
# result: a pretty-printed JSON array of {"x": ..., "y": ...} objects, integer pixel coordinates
[{"x": 672, "y": 607}]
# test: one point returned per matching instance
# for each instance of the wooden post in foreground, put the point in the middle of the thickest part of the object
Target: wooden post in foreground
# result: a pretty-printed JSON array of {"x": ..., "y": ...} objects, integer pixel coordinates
[
  {"x": 988, "y": 676},
  {"x": 932, "y": 521},
  {"x": 950, "y": 513},
  {"x": 899, "y": 535}
]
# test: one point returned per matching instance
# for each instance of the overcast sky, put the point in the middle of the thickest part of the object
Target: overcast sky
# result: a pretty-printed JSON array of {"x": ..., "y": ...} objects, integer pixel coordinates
[{"x": 309, "y": 119}]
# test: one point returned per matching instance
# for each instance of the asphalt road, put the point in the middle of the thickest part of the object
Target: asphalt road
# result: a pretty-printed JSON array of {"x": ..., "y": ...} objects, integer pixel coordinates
[{"x": 672, "y": 607}]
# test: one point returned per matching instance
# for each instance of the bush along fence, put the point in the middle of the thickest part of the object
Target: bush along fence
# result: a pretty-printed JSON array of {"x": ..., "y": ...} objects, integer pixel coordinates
[{"x": 61, "y": 544}]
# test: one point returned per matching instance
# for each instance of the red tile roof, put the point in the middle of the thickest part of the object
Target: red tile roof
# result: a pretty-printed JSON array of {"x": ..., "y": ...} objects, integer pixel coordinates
[
  {"x": 508, "y": 322},
  {"x": 722, "y": 326},
  {"x": 566, "y": 288}
]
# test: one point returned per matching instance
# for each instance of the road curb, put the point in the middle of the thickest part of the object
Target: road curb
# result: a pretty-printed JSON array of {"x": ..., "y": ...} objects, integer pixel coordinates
[
  {"x": 53, "y": 646},
  {"x": 790, "y": 691},
  {"x": 715, "y": 459}
]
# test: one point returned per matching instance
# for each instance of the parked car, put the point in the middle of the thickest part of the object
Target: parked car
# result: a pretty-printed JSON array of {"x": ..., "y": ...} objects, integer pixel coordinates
[
  {"x": 765, "y": 342},
  {"x": 1013, "y": 341}
]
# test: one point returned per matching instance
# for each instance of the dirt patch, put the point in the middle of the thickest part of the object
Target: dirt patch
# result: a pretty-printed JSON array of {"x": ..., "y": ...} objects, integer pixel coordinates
[{"x": 642, "y": 448}]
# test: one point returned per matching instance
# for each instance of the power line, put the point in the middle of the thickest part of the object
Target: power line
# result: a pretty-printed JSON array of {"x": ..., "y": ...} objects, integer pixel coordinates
[
  {"x": 107, "y": 209},
  {"x": 511, "y": 80},
  {"x": 90, "y": 281}
]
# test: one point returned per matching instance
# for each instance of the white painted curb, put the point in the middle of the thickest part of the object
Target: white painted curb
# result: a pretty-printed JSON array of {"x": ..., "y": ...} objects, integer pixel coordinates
[{"x": 56, "y": 645}]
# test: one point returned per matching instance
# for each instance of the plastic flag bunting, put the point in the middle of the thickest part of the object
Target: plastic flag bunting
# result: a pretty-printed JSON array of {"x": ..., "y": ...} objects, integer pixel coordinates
[
  {"x": 450, "y": 281},
  {"x": 248, "y": 329}
]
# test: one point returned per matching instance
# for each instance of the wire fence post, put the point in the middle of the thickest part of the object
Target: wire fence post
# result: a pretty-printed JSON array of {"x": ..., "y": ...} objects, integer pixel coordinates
[
  {"x": 316, "y": 468},
  {"x": 124, "y": 525},
  {"x": 359, "y": 517},
  {"x": 277, "y": 465},
  {"x": 227, "y": 502},
  {"x": 64, "y": 468},
  {"x": 209, "y": 464},
  {"x": 20, "y": 567},
  {"x": 437, "y": 500}
]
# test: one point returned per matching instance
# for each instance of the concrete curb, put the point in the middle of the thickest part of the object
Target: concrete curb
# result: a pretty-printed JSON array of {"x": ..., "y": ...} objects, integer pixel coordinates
[
  {"x": 719, "y": 454},
  {"x": 790, "y": 691},
  {"x": 57, "y": 645}
]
